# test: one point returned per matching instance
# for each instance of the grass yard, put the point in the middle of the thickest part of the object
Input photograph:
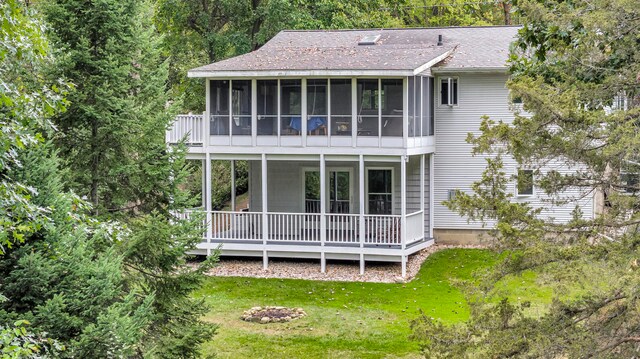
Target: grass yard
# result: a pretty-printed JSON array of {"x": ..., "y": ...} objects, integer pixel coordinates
[{"x": 349, "y": 320}]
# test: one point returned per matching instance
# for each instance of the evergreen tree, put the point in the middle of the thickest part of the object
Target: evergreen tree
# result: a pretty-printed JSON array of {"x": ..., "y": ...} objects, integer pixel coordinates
[
  {"x": 59, "y": 268},
  {"x": 576, "y": 67},
  {"x": 112, "y": 138}
]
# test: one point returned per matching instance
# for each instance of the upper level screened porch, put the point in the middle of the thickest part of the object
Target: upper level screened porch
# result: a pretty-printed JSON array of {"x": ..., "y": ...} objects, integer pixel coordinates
[{"x": 368, "y": 112}]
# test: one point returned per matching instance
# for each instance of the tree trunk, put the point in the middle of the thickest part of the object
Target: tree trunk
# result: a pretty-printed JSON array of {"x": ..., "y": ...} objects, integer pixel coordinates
[{"x": 506, "y": 8}]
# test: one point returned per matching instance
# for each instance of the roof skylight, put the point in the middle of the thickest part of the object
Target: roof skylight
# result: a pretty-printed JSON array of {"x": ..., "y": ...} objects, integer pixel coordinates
[{"x": 369, "y": 40}]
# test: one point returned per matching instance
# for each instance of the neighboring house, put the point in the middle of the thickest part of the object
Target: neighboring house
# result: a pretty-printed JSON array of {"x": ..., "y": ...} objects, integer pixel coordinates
[{"x": 353, "y": 138}]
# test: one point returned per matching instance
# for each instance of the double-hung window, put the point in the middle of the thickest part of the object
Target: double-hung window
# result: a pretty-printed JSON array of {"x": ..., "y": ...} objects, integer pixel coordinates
[
  {"x": 449, "y": 91},
  {"x": 380, "y": 191}
]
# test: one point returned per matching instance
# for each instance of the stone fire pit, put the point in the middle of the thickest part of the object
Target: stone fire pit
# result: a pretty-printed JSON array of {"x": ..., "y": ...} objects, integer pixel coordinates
[{"x": 264, "y": 315}]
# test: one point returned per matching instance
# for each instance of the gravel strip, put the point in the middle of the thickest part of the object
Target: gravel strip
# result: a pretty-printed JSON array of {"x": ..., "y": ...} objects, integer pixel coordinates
[{"x": 347, "y": 271}]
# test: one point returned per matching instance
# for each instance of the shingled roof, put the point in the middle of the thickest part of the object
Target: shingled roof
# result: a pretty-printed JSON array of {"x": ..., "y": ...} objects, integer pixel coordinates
[{"x": 397, "y": 51}]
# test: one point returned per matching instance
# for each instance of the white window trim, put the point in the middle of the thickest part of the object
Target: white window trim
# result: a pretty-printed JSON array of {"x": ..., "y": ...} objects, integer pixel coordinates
[
  {"x": 450, "y": 104},
  {"x": 366, "y": 187},
  {"x": 533, "y": 185},
  {"x": 328, "y": 171}
]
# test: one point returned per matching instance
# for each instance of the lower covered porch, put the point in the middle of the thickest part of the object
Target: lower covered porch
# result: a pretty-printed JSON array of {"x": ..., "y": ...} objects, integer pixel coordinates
[{"x": 325, "y": 207}]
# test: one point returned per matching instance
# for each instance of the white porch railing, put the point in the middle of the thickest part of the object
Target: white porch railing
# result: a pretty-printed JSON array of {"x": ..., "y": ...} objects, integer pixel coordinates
[
  {"x": 190, "y": 126},
  {"x": 293, "y": 227},
  {"x": 382, "y": 229},
  {"x": 415, "y": 227},
  {"x": 342, "y": 228},
  {"x": 305, "y": 228},
  {"x": 236, "y": 225}
]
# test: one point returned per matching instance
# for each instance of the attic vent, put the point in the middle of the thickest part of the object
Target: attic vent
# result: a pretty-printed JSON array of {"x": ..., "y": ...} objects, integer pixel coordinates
[{"x": 369, "y": 40}]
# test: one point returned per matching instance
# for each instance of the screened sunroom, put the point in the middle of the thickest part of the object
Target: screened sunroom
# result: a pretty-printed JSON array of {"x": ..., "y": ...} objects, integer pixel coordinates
[{"x": 313, "y": 112}]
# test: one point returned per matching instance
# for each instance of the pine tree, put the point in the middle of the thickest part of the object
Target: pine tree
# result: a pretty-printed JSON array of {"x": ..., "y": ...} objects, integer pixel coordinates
[
  {"x": 112, "y": 138},
  {"x": 59, "y": 268},
  {"x": 576, "y": 67}
]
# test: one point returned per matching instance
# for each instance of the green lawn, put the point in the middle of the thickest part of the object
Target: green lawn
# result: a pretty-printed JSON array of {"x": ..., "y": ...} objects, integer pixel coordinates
[{"x": 349, "y": 320}]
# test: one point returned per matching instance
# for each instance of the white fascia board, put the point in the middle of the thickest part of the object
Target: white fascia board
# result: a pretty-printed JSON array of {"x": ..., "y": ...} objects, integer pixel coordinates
[
  {"x": 432, "y": 62},
  {"x": 299, "y": 73},
  {"x": 449, "y": 70}
]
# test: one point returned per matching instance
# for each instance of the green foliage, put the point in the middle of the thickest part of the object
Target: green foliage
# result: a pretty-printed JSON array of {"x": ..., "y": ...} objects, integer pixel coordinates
[
  {"x": 428, "y": 13},
  {"x": 572, "y": 59},
  {"x": 199, "y": 32},
  {"x": 155, "y": 257},
  {"x": 16, "y": 342},
  {"x": 24, "y": 104}
]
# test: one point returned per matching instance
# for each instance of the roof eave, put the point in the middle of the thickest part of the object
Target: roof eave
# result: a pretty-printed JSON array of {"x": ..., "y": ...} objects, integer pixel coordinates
[
  {"x": 296, "y": 73},
  {"x": 477, "y": 69}
]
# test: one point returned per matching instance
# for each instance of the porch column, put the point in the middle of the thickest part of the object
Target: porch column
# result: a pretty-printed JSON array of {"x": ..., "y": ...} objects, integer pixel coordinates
[
  {"x": 203, "y": 170},
  {"x": 233, "y": 185},
  {"x": 422, "y": 205},
  {"x": 403, "y": 211},
  {"x": 323, "y": 211},
  {"x": 361, "y": 211},
  {"x": 431, "y": 189},
  {"x": 303, "y": 105},
  {"x": 254, "y": 112},
  {"x": 354, "y": 112},
  {"x": 265, "y": 226},
  {"x": 206, "y": 118},
  {"x": 207, "y": 198}
]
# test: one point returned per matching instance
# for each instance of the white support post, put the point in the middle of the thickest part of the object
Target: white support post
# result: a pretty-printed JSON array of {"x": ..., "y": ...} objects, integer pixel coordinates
[
  {"x": 303, "y": 109},
  {"x": 207, "y": 116},
  {"x": 254, "y": 112},
  {"x": 230, "y": 112},
  {"x": 329, "y": 112},
  {"x": 278, "y": 120},
  {"x": 265, "y": 226},
  {"x": 361, "y": 207},
  {"x": 431, "y": 189},
  {"x": 405, "y": 111},
  {"x": 403, "y": 211},
  {"x": 203, "y": 169},
  {"x": 323, "y": 212},
  {"x": 207, "y": 169},
  {"x": 354, "y": 111},
  {"x": 380, "y": 113},
  {"x": 233, "y": 185},
  {"x": 422, "y": 191}
]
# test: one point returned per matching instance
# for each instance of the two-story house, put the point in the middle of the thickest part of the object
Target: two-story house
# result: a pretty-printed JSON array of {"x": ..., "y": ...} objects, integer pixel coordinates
[{"x": 353, "y": 139}]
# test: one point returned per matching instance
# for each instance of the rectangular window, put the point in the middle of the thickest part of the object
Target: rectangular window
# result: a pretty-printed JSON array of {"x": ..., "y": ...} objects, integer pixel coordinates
[
  {"x": 451, "y": 194},
  {"x": 267, "y": 107},
  {"x": 449, "y": 91},
  {"x": 380, "y": 191},
  {"x": 341, "y": 108},
  {"x": 524, "y": 185},
  {"x": 426, "y": 95},
  {"x": 317, "y": 107},
  {"x": 219, "y": 107},
  {"x": 241, "y": 110},
  {"x": 291, "y": 107}
]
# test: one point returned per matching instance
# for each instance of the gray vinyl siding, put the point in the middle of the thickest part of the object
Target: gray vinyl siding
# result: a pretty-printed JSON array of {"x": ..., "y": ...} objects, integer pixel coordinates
[{"x": 455, "y": 168}]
